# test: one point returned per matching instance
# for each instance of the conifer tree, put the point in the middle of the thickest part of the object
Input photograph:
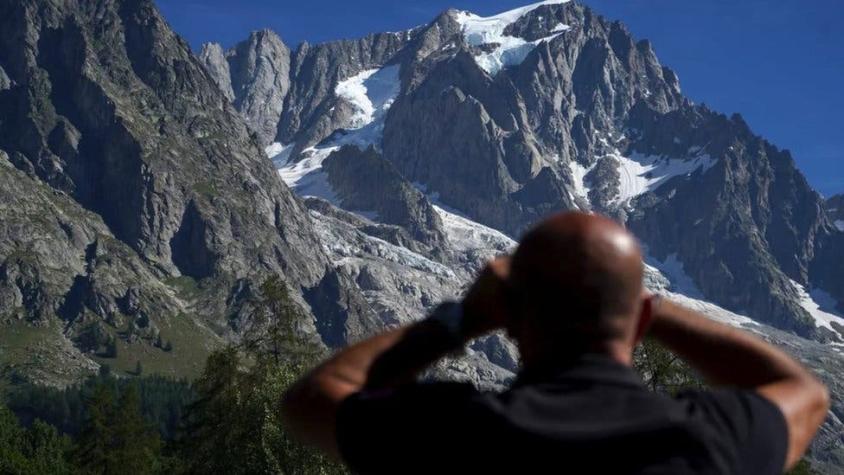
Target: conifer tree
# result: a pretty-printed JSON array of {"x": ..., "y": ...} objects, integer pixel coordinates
[
  {"x": 136, "y": 445},
  {"x": 234, "y": 427},
  {"x": 116, "y": 439},
  {"x": 94, "y": 451}
]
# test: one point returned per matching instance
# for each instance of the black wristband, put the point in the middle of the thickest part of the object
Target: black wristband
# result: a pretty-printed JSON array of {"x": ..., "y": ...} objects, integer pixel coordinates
[{"x": 449, "y": 317}]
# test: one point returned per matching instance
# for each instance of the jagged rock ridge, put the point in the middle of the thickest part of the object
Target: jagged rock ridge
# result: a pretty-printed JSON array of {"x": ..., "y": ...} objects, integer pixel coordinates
[
  {"x": 137, "y": 197},
  {"x": 148, "y": 177},
  {"x": 574, "y": 114},
  {"x": 505, "y": 119}
]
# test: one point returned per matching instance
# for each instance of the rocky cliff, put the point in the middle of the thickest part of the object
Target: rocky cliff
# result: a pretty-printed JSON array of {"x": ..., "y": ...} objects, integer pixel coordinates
[
  {"x": 138, "y": 205},
  {"x": 129, "y": 178},
  {"x": 494, "y": 122},
  {"x": 549, "y": 107}
]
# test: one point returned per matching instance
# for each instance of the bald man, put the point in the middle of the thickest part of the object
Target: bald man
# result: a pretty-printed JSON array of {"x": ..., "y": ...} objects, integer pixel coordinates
[{"x": 572, "y": 299}]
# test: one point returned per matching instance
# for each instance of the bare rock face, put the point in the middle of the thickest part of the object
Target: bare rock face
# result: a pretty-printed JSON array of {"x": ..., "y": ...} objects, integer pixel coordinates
[
  {"x": 500, "y": 153},
  {"x": 744, "y": 229},
  {"x": 144, "y": 174},
  {"x": 367, "y": 182},
  {"x": 135, "y": 192},
  {"x": 214, "y": 58},
  {"x": 255, "y": 76}
]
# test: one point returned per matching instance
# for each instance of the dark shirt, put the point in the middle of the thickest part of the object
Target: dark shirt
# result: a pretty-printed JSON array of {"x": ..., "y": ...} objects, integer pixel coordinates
[{"x": 593, "y": 417}]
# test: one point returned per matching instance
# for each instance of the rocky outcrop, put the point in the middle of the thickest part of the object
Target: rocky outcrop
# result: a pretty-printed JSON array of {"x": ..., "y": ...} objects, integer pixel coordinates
[
  {"x": 835, "y": 209},
  {"x": 137, "y": 172},
  {"x": 369, "y": 183},
  {"x": 584, "y": 116},
  {"x": 5, "y": 82},
  {"x": 255, "y": 76},
  {"x": 743, "y": 229},
  {"x": 496, "y": 146},
  {"x": 310, "y": 114},
  {"x": 214, "y": 59}
]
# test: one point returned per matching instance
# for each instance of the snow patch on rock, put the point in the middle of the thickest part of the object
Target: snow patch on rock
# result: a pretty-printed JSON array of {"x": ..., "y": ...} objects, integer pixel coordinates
[
  {"x": 371, "y": 93},
  {"x": 578, "y": 174},
  {"x": 821, "y": 306},
  {"x": 279, "y": 153},
  {"x": 640, "y": 174},
  {"x": 839, "y": 224}
]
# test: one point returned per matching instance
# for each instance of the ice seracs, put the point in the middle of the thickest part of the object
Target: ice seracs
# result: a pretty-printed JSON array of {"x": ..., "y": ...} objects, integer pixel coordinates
[
  {"x": 466, "y": 235},
  {"x": 673, "y": 269},
  {"x": 508, "y": 50}
]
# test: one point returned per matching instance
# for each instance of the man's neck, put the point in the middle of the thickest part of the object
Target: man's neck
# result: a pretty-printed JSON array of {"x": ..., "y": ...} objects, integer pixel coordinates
[{"x": 565, "y": 355}]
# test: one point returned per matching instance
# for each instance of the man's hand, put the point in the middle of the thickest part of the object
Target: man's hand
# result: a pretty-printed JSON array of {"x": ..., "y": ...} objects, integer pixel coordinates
[
  {"x": 387, "y": 360},
  {"x": 485, "y": 305}
]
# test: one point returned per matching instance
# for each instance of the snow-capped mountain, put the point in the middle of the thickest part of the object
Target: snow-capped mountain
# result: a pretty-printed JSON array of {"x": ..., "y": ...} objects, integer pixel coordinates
[
  {"x": 139, "y": 204},
  {"x": 550, "y": 107},
  {"x": 486, "y": 124}
]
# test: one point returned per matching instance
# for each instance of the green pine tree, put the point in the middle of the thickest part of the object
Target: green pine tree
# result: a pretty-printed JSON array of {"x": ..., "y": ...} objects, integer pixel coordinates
[
  {"x": 47, "y": 450},
  {"x": 273, "y": 330},
  {"x": 12, "y": 459},
  {"x": 235, "y": 426},
  {"x": 662, "y": 370},
  {"x": 94, "y": 451},
  {"x": 116, "y": 439},
  {"x": 39, "y": 450},
  {"x": 803, "y": 468},
  {"x": 136, "y": 445}
]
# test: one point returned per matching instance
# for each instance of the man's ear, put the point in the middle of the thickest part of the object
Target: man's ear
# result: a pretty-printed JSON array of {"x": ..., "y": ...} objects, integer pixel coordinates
[{"x": 645, "y": 317}]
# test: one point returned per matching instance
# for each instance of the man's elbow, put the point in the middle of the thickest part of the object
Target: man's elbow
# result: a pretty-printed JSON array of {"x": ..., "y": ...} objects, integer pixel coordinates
[{"x": 817, "y": 403}]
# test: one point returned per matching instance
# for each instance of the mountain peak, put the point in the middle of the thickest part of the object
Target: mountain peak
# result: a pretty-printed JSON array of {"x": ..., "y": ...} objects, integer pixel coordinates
[
  {"x": 510, "y": 16},
  {"x": 496, "y": 36}
]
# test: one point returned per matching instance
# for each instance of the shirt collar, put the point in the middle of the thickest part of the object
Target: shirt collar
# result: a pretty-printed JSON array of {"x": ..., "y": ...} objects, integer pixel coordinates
[{"x": 588, "y": 368}]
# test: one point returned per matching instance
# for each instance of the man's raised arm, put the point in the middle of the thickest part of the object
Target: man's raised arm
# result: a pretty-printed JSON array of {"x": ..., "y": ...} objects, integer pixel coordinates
[
  {"x": 728, "y": 356},
  {"x": 390, "y": 359}
]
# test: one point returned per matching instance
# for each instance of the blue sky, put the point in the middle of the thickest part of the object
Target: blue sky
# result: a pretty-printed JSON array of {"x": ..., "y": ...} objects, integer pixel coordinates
[{"x": 780, "y": 63}]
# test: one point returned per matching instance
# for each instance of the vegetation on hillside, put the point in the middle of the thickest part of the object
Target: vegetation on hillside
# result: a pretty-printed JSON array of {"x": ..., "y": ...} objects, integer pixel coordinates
[{"x": 227, "y": 421}]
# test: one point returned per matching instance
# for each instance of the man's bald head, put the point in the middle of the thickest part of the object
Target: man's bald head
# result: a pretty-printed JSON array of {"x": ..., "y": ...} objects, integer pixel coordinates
[{"x": 577, "y": 278}]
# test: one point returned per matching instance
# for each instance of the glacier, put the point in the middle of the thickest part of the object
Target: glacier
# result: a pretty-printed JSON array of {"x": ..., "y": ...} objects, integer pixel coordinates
[
  {"x": 510, "y": 50},
  {"x": 370, "y": 93}
]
